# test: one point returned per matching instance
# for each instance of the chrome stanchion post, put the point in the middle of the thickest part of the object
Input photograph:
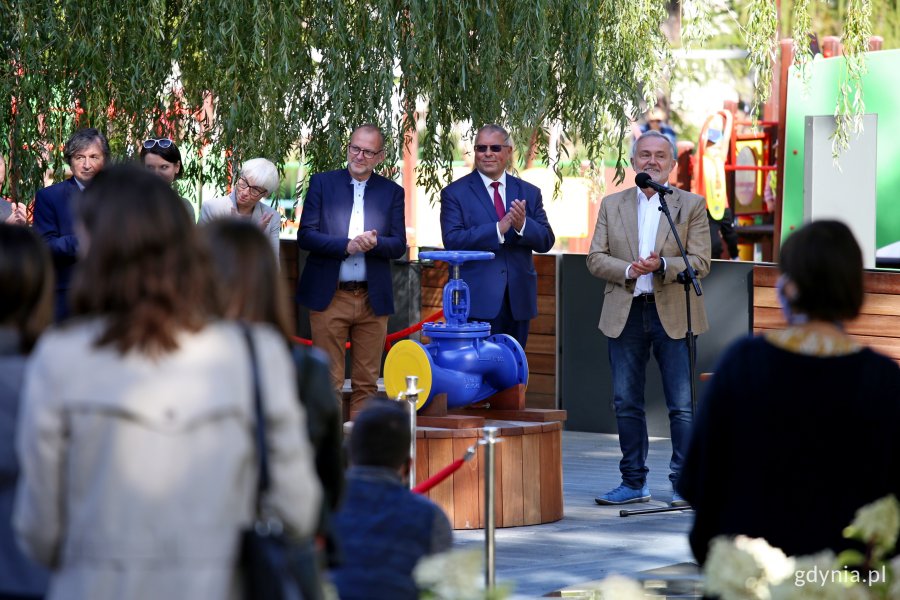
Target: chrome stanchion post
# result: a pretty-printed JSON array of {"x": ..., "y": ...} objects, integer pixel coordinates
[
  {"x": 412, "y": 398},
  {"x": 489, "y": 441}
]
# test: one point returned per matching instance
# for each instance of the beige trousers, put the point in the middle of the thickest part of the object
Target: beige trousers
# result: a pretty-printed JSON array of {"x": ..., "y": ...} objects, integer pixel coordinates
[{"x": 349, "y": 316}]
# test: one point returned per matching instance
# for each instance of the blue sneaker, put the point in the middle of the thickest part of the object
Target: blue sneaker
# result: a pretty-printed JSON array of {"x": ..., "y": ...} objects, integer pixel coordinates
[
  {"x": 678, "y": 501},
  {"x": 624, "y": 495}
]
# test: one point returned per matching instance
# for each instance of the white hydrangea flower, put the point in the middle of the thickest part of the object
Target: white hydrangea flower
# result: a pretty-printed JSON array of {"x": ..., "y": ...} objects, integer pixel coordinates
[
  {"x": 744, "y": 568},
  {"x": 453, "y": 575},
  {"x": 617, "y": 587},
  {"x": 877, "y": 523}
]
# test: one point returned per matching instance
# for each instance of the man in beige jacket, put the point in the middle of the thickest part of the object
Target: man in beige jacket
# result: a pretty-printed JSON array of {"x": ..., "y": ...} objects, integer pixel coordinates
[{"x": 634, "y": 250}]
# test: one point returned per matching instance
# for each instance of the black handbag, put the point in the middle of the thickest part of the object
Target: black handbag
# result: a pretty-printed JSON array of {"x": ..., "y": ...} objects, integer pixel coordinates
[{"x": 274, "y": 566}]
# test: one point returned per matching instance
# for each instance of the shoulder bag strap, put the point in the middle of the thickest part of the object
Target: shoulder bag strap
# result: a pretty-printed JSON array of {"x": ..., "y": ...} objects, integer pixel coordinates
[{"x": 262, "y": 485}]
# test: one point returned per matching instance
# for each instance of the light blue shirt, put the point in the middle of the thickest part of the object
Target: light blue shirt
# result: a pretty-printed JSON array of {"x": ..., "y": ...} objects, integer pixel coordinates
[{"x": 353, "y": 268}]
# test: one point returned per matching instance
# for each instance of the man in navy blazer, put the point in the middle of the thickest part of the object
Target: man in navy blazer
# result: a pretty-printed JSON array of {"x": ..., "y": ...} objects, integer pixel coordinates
[
  {"x": 494, "y": 211},
  {"x": 352, "y": 225},
  {"x": 87, "y": 152}
]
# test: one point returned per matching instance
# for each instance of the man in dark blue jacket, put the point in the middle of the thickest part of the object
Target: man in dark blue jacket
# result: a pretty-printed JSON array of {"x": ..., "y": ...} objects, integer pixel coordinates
[
  {"x": 491, "y": 210},
  {"x": 87, "y": 152},
  {"x": 352, "y": 225},
  {"x": 383, "y": 529}
]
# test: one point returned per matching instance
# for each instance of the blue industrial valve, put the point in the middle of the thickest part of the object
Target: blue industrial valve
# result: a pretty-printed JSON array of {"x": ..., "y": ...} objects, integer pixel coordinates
[{"x": 463, "y": 359}]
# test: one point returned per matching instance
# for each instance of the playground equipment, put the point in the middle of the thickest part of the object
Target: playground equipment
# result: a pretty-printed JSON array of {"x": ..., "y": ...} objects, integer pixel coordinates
[
  {"x": 463, "y": 360},
  {"x": 730, "y": 171}
]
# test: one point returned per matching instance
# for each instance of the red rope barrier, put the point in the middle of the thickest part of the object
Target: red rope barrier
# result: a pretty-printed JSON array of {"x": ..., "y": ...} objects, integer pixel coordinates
[
  {"x": 388, "y": 342},
  {"x": 444, "y": 473},
  {"x": 439, "y": 476}
]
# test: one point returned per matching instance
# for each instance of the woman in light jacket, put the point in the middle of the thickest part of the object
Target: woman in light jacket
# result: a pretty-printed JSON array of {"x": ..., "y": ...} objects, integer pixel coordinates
[{"x": 136, "y": 445}]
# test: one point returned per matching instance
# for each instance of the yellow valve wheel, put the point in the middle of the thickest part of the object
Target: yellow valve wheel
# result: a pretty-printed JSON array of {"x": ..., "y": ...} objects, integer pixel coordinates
[{"x": 408, "y": 358}]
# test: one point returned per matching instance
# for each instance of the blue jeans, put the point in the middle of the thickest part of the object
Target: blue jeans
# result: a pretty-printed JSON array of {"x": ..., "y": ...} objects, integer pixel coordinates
[{"x": 628, "y": 357}]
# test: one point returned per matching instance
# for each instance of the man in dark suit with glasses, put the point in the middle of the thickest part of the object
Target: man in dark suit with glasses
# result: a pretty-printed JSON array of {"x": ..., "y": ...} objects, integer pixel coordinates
[{"x": 353, "y": 225}]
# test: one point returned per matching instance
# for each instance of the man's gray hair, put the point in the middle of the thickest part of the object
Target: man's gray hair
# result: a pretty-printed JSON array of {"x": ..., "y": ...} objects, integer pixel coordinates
[
  {"x": 494, "y": 128},
  {"x": 83, "y": 138},
  {"x": 654, "y": 133},
  {"x": 261, "y": 172}
]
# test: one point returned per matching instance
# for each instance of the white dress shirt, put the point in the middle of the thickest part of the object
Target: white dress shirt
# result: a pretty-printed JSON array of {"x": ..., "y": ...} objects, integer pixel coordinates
[
  {"x": 648, "y": 223},
  {"x": 502, "y": 190}
]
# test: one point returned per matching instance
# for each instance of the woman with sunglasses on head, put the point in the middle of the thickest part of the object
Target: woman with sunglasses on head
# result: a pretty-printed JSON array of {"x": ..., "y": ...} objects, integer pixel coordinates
[
  {"x": 257, "y": 179},
  {"x": 162, "y": 157}
]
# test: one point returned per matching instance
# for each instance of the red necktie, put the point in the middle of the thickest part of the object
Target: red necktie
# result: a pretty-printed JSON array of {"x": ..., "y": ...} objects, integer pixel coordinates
[{"x": 498, "y": 201}]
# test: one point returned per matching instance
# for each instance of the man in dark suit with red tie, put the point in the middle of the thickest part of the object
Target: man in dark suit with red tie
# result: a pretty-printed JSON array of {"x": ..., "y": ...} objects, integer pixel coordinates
[
  {"x": 491, "y": 210},
  {"x": 353, "y": 224}
]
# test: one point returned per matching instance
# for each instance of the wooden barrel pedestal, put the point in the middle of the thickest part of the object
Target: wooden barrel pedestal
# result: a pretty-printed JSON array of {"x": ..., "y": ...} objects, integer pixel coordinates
[{"x": 528, "y": 473}]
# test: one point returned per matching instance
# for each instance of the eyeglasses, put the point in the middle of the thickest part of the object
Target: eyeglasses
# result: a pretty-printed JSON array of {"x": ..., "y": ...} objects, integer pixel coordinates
[
  {"x": 482, "y": 148},
  {"x": 162, "y": 143},
  {"x": 355, "y": 150},
  {"x": 244, "y": 184}
]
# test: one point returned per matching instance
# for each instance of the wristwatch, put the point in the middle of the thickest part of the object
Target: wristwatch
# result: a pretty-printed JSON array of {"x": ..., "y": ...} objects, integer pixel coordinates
[{"x": 662, "y": 267}]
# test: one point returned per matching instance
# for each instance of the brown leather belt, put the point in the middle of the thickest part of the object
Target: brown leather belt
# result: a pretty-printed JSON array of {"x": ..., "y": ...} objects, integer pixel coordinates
[{"x": 353, "y": 286}]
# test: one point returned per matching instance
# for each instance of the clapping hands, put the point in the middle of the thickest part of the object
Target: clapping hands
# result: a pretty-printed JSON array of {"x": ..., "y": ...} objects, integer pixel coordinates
[
  {"x": 18, "y": 215},
  {"x": 514, "y": 217},
  {"x": 645, "y": 266},
  {"x": 363, "y": 242}
]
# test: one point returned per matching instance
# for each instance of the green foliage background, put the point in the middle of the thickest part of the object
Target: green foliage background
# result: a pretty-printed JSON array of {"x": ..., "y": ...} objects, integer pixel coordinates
[{"x": 292, "y": 77}]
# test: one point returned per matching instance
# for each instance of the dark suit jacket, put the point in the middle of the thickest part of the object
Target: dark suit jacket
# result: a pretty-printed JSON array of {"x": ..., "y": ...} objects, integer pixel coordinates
[
  {"x": 53, "y": 221},
  {"x": 469, "y": 222},
  {"x": 323, "y": 231}
]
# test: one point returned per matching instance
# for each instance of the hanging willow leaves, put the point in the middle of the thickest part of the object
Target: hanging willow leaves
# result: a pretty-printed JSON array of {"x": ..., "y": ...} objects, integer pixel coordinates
[
  {"x": 800, "y": 33},
  {"x": 760, "y": 32},
  {"x": 696, "y": 20},
  {"x": 850, "y": 105},
  {"x": 285, "y": 79}
]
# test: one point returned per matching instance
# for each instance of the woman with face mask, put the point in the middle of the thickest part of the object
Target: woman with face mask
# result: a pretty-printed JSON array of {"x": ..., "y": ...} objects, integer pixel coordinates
[
  {"x": 161, "y": 156},
  {"x": 799, "y": 427}
]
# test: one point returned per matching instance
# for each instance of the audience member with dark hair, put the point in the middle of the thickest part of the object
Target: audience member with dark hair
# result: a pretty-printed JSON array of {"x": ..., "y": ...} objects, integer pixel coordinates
[
  {"x": 161, "y": 156},
  {"x": 800, "y": 427},
  {"x": 382, "y": 527},
  {"x": 136, "y": 435},
  {"x": 252, "y": 290},
  {"x": 26, "y": 308},
  {"x": 87, "y": 152}
]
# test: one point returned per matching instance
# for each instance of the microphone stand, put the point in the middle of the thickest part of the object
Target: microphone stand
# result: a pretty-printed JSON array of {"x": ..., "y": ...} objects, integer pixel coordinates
[{"x": 687, "y": 278}]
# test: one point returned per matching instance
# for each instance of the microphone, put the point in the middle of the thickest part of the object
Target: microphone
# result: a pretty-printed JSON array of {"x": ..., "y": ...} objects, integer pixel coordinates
[{"x": 643, "y": 181}]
